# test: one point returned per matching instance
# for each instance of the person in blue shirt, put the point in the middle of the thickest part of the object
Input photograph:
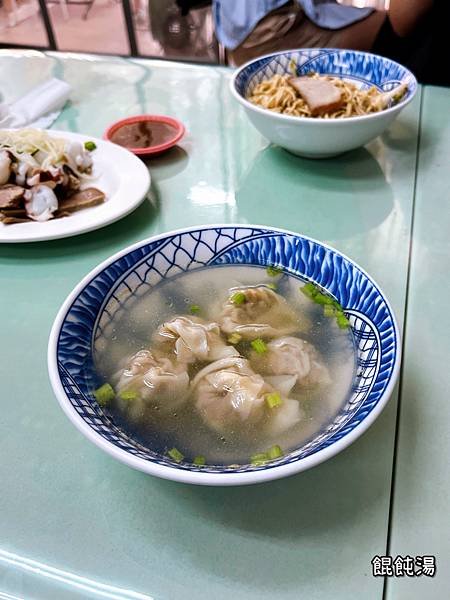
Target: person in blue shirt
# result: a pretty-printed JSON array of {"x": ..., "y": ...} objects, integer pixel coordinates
[{"x": 251, "y": 28}]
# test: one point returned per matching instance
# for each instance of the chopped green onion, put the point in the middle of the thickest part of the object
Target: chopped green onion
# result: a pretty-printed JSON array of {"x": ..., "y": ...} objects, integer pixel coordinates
[
  {"x": 274, "y": 452},
  {"x": 194, "y": 309},
  {"x": 309, "y": 289},
  {"x": 336, "y": 310},
  {"x": 238, "y": 298},
  {"x": 273, "y": 271},
  {"x": 313, "y": 292},
  {"x": 273, "y": 400},
  {"x": 104, "y": 394},
  {"x": 342, "y": 321},
  {"x": 330, "y": 311},
  {"x": 234, "y": 338},
  {"x": 128, "y": 395},
  {"x": 90, "y": 146},
  {"x": 271, "y": 286},
  {"x": 199, "y": 461},
  {"x": 258, "y": 459},
  {"x": 323, "y": 299},
  {"x": 259, "y": 346},
  {"x": 175, "y": 455}
]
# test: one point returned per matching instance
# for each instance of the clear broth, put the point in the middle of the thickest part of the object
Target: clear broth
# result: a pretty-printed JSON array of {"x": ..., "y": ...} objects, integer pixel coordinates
[{"x": 184, "y": 429}]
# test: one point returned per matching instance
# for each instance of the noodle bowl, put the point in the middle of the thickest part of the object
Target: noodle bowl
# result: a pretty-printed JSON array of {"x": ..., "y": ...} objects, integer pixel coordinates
[{"x": 357, "y": 104}]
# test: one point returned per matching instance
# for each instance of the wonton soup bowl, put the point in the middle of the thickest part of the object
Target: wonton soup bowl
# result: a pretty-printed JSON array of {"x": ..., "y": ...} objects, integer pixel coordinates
[
  {"x": 113, "y": 287},
  {"x": 318, "y": 137}
]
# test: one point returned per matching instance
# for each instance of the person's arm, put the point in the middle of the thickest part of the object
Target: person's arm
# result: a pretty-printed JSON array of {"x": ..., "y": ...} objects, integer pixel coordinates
[{"x": 405, "y": 15}]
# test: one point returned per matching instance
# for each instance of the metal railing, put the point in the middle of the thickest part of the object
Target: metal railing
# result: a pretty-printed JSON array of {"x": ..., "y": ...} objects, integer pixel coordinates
[{"x": 165, "y": 29}]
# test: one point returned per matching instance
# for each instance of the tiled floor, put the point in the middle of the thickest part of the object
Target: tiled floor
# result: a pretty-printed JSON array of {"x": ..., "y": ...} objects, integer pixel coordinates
[
  {"x": 103, "y": 31},
  {"x": 29, "y": 31}
]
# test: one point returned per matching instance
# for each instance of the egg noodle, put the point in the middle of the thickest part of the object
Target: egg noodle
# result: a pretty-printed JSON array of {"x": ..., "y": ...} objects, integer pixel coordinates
[{"x": 278, "y": 95}]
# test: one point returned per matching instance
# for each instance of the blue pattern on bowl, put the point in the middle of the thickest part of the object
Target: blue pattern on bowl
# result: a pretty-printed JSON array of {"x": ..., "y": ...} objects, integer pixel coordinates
[
  {"x": 116, "y": 287},
  {"x": 363, "y": 68}
]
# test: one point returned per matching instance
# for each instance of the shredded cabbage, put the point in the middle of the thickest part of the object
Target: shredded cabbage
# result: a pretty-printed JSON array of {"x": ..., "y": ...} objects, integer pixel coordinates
[{"x": 38, "y": 149}]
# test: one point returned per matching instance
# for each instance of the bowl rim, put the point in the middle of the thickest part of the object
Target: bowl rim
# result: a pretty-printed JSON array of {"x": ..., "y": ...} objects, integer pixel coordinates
[
  {"x": 177, "y": 126},
  {"x": 326, "y": 122},
  {"x": 197, "y": 477}
]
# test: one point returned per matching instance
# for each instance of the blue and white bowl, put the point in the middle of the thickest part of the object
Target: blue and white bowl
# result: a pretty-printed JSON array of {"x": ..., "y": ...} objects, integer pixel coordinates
[
  {"x": 315, "y": 137},
  {"x": 117, "y": 283}
]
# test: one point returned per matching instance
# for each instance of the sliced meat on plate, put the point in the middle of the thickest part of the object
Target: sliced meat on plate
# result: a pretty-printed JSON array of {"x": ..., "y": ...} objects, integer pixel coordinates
[
  {"x": 11, "y": 196},
  {"x": 82, "y": 199}
]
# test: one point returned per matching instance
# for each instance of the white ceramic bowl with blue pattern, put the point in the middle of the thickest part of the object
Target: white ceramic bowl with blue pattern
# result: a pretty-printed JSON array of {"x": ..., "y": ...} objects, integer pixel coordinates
[
  {"x": 117, "y": 283},
  {"x": 316, "y": 137}
]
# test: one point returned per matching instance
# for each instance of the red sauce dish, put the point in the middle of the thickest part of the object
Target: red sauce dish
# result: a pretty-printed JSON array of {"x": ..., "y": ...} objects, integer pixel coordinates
[{"x": 145, "y": 134}]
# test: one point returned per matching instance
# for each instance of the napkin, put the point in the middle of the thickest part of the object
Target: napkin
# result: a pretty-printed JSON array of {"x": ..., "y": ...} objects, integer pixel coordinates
[{"x": 39, "y": 108}]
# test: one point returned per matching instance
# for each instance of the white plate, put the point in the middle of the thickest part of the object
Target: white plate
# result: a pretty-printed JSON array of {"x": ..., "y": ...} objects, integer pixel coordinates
[{"x": 118, "y": 173}]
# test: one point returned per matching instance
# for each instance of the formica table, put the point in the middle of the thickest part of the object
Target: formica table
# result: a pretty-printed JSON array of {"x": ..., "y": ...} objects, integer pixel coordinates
[{"x": 76, "y": 524}]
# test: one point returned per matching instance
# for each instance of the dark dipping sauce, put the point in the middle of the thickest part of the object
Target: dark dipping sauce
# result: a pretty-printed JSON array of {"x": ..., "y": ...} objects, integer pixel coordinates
[{"x": 143, "y": 134}]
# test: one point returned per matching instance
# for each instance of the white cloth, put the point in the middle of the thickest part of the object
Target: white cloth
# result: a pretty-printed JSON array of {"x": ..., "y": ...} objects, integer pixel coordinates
[{"x": 39, "y": 108}]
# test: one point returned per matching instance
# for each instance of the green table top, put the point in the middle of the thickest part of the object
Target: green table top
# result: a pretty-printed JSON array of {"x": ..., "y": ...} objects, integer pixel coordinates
[
  {"x": 420, "y": 508},
  {"x": 74, "y": 523}
]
